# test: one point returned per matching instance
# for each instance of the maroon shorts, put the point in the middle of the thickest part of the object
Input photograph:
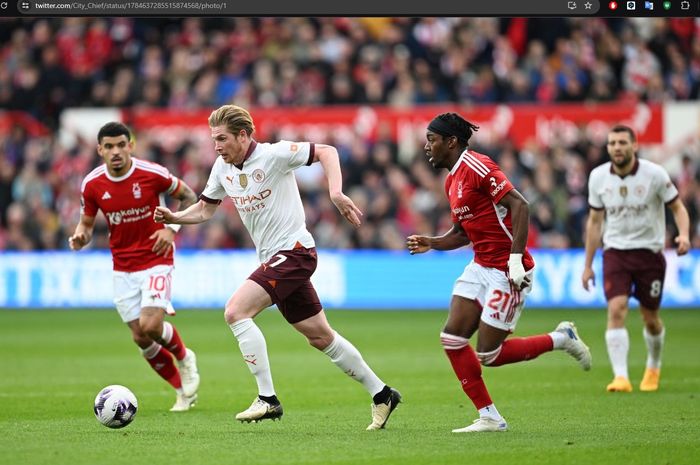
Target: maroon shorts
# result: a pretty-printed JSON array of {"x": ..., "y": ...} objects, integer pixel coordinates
[
  {"x": 637, "y": 272},
  {"x": 287, "y": 278}
]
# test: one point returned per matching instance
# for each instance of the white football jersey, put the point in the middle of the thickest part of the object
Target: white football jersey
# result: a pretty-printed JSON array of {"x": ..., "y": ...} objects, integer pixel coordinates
[
  {"x": 635, "y": 217},
  {"x": 266, "y": 195}
]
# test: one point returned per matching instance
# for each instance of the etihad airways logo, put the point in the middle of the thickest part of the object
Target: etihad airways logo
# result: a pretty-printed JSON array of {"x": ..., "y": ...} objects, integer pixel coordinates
[
  {"x": 251, "y": 202},
  {"x": 128, "y": 216}
]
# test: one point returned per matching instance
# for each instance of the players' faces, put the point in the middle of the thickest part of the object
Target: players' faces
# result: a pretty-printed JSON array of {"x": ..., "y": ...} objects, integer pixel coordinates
[
  {"x": 439, "y": 150},
  {"x": 116, "y": 153},
  {"x": 621, "y": 149},
  {"x": 231, "y": 147}
]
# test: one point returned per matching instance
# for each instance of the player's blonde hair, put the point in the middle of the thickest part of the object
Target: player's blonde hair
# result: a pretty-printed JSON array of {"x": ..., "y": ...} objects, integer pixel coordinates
[{"x": 233, "y": 117}]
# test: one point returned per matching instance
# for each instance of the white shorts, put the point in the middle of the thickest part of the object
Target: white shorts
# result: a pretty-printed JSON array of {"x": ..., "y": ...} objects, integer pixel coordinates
[
  {"x": 145, "y": 288},
  {"x": 490, "y": 287}
]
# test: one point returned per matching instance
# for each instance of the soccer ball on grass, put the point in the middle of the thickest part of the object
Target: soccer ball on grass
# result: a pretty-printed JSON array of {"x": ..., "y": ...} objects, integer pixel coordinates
[{"x": 115, "y": 406}]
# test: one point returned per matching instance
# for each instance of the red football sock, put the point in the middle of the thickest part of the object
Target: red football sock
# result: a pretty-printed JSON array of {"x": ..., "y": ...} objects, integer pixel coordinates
[
  {"x": 173, "y": 342},
  {"x": 519, "y": 349},
  {"x": 162, "y": 362},
  {"x": 467, "y": 368}
]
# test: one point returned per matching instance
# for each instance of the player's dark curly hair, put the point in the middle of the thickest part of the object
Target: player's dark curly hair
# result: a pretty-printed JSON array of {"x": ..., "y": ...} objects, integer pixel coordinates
[
  {"x": 462, "y": 129},
  {"x": 113, "y": 129}
]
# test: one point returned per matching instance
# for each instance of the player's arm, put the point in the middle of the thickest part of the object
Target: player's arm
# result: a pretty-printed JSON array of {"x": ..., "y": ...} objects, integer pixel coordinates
[
  {"x": 163, "y": 239},
  {"x": 680, "y": 216},
  {"x": 328, "y": 156},
  {"x": 452, "y": 239},
  {"x": 594, "y": 233},
  {"x": 83, "y": 232},
  {"x": 194, "y": 214},
  {"x": 184, "y": 196},
  {"x": 520, "y": 219}
]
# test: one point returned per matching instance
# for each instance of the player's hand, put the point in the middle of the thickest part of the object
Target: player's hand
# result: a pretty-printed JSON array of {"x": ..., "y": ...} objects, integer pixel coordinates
[
  {"x": 588, "y": 279},
  {"x": 347, "y": 208},
  {"x": 683, "y": 244},
  {"x": 417, "y": 244},
  {"x": 77, "y": 241},
  {"x": 516, "y": 271},
  {"x": 164, "y": 239},
  {"x": 163, "y": 215}
]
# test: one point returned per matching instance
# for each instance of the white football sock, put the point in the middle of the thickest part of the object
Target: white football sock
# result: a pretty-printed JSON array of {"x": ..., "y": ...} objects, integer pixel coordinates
[
  {"x": 655, "y": 343},
  {"x": 558, "y": 340},
  {"x": 348, "y": 358},
  {"x": 254, "y": 349},
  {"x": 490, "y": 411},
  {"x": 618, "y": 342}
]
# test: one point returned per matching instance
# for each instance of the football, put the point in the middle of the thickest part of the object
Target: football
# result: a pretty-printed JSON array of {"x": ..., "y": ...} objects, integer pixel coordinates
[{"x": 115, "y": 406}]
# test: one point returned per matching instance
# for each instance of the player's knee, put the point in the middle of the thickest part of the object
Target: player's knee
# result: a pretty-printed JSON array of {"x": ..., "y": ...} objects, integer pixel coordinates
[
  {"x": 487, "y": 358},
  {"x": 141, "y": 340},
  {"x": 451, "y": 342},
  {"x": 320, "y": 342}
]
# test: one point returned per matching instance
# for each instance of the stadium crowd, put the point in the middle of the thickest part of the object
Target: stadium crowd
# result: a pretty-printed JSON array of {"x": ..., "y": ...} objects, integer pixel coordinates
[{"x": 48, "y": 65}]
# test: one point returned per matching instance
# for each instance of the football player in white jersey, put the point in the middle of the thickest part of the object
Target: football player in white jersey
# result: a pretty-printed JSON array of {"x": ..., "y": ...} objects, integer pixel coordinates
[
  {"x": 259, "y": 179},
  {"x": 627, "y": 197}
]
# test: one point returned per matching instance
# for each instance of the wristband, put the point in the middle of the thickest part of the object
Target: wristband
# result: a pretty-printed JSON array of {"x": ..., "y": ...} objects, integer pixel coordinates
[{"x": 174, "y": 227}]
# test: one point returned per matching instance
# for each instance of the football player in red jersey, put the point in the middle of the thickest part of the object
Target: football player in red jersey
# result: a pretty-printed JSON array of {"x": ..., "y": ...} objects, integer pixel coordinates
[
  {"x": 488, "y": 212},
  {"x": 128, "y": 190}
]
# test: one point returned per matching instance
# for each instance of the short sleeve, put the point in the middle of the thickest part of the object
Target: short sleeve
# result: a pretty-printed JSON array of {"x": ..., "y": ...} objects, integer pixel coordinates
[
  {"x": 495, "y": 184},
  {"x": 88, "y": 205},
  {"x": 667, "y": 190},
  {"x": 594, "y": 199},
  {"x": 214, "y": 190},
  {"x": 292, "y": 155}
]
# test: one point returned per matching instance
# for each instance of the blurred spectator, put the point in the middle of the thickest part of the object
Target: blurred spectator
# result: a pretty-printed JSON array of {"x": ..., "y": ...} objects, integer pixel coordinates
[{"x": 48, "y": 65}]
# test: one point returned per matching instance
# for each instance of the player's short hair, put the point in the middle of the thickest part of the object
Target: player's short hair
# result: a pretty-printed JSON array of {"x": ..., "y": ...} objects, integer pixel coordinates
[
  {"x": 627, "y": 129},
  {"x": 452, "y": 124},
  {"x": 233, "y": 117},
  {"x": 114, "y": 129}
]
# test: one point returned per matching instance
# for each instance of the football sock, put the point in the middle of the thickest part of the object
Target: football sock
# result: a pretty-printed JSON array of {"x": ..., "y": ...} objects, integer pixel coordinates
[
  {"x": 272, "y": 400},
  {"x": 172, "y": 341},
  {"x": 162, "y": 362},
  {"x": 348, "y": 358},
  {"x": 618, "y": 342},
  {"x": 655, "y": 343},
  {"x": 490, "y": 411},
  {"x": 254, "y": 350},
  {"x": 467, "y": 368},
  {"x": 519, "y": 349},
  {"x": 558, "y": 339},
  {"x": 382, "y": 397}
]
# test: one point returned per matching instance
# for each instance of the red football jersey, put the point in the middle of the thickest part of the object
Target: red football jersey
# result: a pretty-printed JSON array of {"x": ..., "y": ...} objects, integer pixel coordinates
[
  {"x": 474, "y": 187},
  {"x": 128, "y": 203}
]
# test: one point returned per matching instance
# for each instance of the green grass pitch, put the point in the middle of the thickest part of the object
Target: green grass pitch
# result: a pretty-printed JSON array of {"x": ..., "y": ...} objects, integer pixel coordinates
[{"x": 54, "y": 363}]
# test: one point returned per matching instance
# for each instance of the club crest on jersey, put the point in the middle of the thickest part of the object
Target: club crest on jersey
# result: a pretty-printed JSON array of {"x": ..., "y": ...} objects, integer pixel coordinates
[
  {"x": 258, "y": 175},
  {"x": 136, "y": 190},
  {"x": 623, "y": 191},
  {"x": 459, "y": 190},
  {"x": 243, "y": 179}
]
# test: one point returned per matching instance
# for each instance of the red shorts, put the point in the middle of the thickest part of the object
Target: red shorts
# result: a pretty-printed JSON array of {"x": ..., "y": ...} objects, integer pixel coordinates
[
  {"x": 287, "y": 278},
  {"x": 637, "y": 272}
]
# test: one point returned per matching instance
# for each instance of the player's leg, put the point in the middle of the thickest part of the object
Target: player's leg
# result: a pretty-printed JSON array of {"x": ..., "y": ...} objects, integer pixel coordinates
[
  {"x": 249, "y": 300},
  {"x": 649, "y": 283},
  {"x": 617, "y": 281},
  {"x": 156, "y": 286},
  {"x": 342, "y": 352},
  {"x": 462, "y": 322},
  {"x": 504, "y": 305},
  {"x": 127, "y": 291}
]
